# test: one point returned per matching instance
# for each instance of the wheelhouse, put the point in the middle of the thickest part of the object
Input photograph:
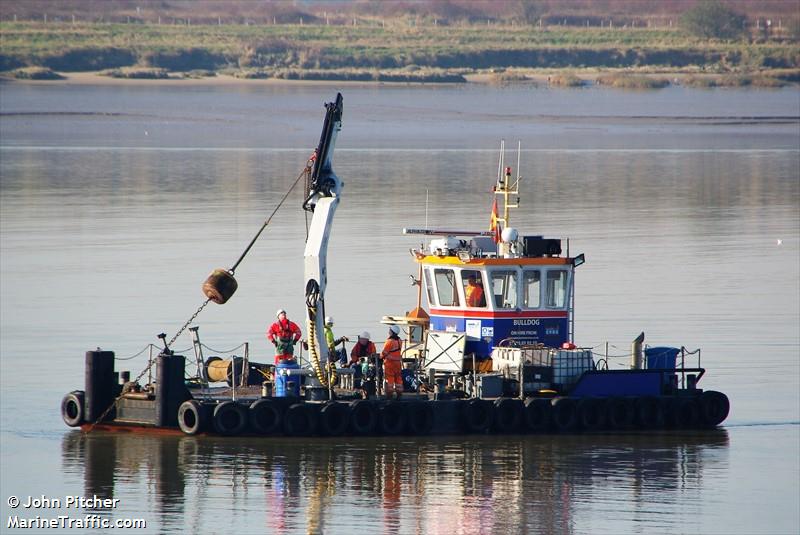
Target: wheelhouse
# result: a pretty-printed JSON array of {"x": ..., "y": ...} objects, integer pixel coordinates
[{"x": 509, "y": 293}]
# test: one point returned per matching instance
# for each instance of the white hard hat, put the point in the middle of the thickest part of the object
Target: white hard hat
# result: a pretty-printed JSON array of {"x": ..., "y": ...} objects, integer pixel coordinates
[
  {"x": 364, "y": 335},
  {"x": 280, "y": 311},
  {"x": 395, "y": 329},
  {"x": 328, "y": 320}
]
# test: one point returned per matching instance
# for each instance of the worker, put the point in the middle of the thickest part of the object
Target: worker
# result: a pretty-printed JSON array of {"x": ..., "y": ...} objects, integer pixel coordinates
[
  {"x": 283, "y": 334},
  {"x": 392, "y": 363},
  {"x": 363, "y": 348},
  {"x": 474, "y": 292},
  {"x": 333, "y": 342}
]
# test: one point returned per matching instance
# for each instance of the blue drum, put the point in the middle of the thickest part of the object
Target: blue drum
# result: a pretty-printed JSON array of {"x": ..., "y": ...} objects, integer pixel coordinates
[{"x": 287, "y": 385}]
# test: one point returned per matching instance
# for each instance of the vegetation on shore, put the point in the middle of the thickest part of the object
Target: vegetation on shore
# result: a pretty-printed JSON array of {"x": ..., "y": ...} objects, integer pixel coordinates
[{"x": 387, "y": 49}]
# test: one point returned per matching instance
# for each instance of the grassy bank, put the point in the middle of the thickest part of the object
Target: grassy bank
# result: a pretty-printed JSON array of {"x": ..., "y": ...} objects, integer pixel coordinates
[{"x": 413, "y": 53}]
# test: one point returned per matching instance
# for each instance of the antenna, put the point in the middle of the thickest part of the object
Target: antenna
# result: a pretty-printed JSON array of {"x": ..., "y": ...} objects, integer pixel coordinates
[
  {"x": 500, "y": 162},
  {"x": 426, "y": 208}
]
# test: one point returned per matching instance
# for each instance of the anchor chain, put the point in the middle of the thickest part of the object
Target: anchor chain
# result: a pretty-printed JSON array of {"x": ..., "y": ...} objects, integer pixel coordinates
[{"x": 188, "y": 322}]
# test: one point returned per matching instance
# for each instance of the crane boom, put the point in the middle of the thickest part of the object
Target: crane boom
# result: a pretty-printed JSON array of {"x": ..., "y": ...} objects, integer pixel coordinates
[{"x": 323, "y": 198}]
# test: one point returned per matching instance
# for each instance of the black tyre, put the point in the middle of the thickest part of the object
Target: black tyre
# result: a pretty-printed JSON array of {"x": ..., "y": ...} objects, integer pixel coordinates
[
  {"x": 685, "y": 412},
  {"x": 392, "y": 418},
  {"x": 508, "y": 415},
  {"x": 649, "y": 412},
  {"x": 73, "y": 408},
  {"x": 591, "y": 414},
  {"x": 192, "y": 417},
  {"x": 265, "y": 417},
  {"x": 565, "y": 414},
  {"x": 620, "y": 413},
  {"x": 363, "y": 417},
  {"x": 478, "y": 415},
  {"x": 299, "y": 420},
  {"x": 714, "y": 408},
  {"x": 419, "y": 417},
  {"x": 230, "y": 418},
  {"x": 537, "y": 414},
  {"x": 334, "y": 418}
]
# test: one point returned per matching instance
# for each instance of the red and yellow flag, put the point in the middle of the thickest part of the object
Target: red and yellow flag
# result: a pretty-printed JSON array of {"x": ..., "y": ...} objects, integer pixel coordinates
[{"x": 494, "y": 226}]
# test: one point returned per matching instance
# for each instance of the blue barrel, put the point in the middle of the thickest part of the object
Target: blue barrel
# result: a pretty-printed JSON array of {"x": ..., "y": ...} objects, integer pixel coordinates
[
  {"x": 287, "y": 385},
  {"x": 661, "y": 357},
  {"x": 409, "y": 381}
]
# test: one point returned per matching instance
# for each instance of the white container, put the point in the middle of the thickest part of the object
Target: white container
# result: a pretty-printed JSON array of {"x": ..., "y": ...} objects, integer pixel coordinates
[{"x": 570, "y": 364}]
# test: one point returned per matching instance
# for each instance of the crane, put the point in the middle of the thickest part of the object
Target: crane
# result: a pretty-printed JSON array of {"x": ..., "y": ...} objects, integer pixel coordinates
[{"x": 323, "y": 197}]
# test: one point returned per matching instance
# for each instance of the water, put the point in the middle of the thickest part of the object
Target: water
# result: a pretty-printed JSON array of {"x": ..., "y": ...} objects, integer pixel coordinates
[{"x": 118, "y": 201}]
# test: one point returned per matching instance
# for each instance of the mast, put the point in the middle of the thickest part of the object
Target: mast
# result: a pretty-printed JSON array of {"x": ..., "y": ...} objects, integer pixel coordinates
[{"x": 506, "y": 188}]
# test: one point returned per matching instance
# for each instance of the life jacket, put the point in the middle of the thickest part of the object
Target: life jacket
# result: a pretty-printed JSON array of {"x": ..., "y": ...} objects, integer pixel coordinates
[
  {"x": 284, "y": 331},
  {"x": 362, "y": 350},
  {"x": 392, "y": 350},
  {"x": 475, "y": 296}
]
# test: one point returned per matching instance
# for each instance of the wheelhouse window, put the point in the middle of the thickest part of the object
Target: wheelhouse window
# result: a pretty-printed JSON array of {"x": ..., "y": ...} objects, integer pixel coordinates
[
  {"x": 426, "y": 274},
  {"x": 446, "y": 288},
  {"x": 504, "y": 289},
  {"x": 531, "y": 288},
  {"x": 557, "y": 288},
  {"x": 473, "y": 288}
]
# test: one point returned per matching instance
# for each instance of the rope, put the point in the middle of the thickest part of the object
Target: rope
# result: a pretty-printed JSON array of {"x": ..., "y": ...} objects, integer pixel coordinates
[
  {"x": 148, "y": 346},
  {"x": 253, "y": 241},
  {"x": 312, "y": 347},
  {"x": 220, "y": 350}
]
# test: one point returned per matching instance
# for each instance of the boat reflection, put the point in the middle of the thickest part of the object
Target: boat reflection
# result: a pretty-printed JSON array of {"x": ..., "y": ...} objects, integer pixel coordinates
[{"x": 410, "y": 485}]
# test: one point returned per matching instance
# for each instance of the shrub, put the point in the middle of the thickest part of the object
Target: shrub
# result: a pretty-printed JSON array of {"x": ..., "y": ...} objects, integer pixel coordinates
[
  {"x": 36, "y": 73},
  {"x": 90, "y": 59},
  {"x": 713, "y": 19},
  {"x": 630, "y": 81},
  {"x": 565, "y": 80},
  {"x": 138, "y": 73}
]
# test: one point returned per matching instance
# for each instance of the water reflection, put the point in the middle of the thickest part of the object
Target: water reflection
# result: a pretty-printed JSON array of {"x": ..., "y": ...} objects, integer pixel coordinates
[{"x": 539, "y": 484}]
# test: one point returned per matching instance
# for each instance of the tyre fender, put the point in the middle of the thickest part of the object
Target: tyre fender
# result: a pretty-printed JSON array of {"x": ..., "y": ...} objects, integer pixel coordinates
[
  {"x": 392, "y": 418},
  {"x": 73, "y": 408},
  {"x": 363, "y": 417},
  {"x": 508, "y": 414},
  {"x": 299, "y": 420},
  {"x": 419, "y": 417},
  {"x": 193, "y": 418},
  {"x": 334, "y": 417},
  {"x": 230, "y": 418},
  {"x": 265, "y": 417},
  {"x": 537, "y": 414},
  {"x": 478, "y": 415}
]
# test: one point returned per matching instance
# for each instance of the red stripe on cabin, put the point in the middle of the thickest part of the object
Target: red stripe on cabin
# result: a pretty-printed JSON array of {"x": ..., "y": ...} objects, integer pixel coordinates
[{"x": 492, "y": 314}]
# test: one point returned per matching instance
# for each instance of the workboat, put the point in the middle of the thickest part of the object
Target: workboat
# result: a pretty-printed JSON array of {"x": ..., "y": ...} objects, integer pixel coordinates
[{"x": 493, "y": 352}]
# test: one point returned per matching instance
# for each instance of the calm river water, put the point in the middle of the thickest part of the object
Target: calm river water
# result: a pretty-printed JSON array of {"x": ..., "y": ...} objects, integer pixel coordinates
[{"x": 116, "y": 202}]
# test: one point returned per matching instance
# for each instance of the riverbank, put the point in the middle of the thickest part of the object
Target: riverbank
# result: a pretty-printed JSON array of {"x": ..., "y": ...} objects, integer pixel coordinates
[
  {"x": 294, "y": 51},
  {"x": 551, "y": 77}
]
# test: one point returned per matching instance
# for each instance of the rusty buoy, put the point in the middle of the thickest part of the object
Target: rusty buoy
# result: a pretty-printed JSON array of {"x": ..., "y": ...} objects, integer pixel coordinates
[{"x": 220, "y": 286}]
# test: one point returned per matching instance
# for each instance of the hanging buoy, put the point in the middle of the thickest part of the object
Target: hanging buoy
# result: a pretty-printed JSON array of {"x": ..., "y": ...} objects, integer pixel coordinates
[{"x": 220, "y": 286}]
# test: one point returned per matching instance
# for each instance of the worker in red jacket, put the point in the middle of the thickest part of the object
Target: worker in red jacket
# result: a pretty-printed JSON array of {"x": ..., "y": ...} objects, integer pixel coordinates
[
  {"x": 392, "y": 356},
  {"x": 283, "y": 334}
]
